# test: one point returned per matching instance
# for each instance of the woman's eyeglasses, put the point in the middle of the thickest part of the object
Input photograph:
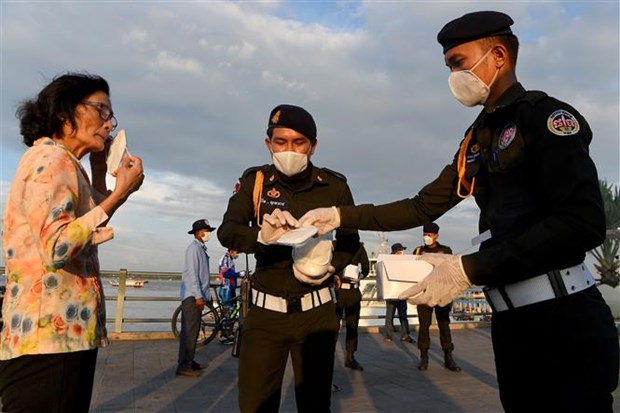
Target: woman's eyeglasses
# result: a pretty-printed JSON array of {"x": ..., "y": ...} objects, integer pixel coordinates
[{"x": 105, "y": 113}]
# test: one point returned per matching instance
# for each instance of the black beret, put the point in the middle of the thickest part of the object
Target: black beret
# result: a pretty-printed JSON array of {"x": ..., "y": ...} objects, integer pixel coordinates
[
  {"x": 293, "y": 117},
  {"x": 431, "y": 228},
  {"x": 474, "y": 26}
]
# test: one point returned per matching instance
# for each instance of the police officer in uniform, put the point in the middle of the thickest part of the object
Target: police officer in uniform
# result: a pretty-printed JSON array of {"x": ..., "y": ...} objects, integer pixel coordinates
[
  {"x": 349, "y": 304},
  {"x": 525, "y": 160},
  {"x": 425, "y": 313},
  {"x": 292, "y": 312}
]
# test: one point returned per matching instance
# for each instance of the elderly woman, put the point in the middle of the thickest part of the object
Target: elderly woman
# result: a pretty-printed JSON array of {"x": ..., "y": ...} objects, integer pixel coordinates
[{"x": 54, "y": 309}]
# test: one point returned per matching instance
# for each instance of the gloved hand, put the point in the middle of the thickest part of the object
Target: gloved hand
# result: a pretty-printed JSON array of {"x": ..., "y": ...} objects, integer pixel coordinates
[
  {"x": 275, "y": 225},
  {"x": 324, "y": 219},
  {"x": 443, "y": 285},
  {"x": 311, "y": 279}
]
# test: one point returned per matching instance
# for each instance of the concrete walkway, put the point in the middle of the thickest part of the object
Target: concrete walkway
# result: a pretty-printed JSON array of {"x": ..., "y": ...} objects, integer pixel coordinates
[{"x": 139, "y": 376}]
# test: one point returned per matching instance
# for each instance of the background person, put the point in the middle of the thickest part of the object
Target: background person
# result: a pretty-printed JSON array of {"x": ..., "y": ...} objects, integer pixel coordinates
[
  {"x": 442, "y": 313},
  {"x": 349, "y": 305},
  {"x": 391, "y": 306},
  {"x": 293, "y": 310},
  {"x": 54, "y": 220},
  {"x": 228, "y": 275},
  {"x": 195, "y": 294},
  {"x": 525, "y": 159}
]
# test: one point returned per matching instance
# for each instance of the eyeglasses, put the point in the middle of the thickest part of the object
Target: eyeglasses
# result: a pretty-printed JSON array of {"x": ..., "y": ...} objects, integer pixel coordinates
[{"x": 105, "y": 113}]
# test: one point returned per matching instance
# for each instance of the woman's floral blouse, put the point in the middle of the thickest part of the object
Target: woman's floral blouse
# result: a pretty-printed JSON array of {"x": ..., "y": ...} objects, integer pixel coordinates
[{"x": 54, "y": 299}]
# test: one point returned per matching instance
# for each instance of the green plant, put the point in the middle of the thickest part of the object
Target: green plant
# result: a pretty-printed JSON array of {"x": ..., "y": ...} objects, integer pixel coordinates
[{"x": 607, "y": 255}]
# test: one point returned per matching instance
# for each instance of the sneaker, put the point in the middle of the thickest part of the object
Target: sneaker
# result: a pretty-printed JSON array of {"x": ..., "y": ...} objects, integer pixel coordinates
[
  {"x": 353, "y": 364},
  {"x": 387, "y": 339},
  {"x": 408, "y": 339},
  {"x": 226, "y": 340}
]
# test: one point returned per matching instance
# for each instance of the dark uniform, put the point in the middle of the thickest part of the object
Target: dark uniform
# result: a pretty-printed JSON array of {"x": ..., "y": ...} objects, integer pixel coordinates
[
  {"x": 269, "y": 336},
  {"x": 349, "y": 304},
  {"x": 442, "y": 313},
  {"x": 538, "y": 194}
]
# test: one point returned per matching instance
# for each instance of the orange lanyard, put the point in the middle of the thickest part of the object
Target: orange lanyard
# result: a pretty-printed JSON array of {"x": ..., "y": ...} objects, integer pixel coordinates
[
  {"x": 461, "y": 164},
  {"x": 258, "y": 192}
]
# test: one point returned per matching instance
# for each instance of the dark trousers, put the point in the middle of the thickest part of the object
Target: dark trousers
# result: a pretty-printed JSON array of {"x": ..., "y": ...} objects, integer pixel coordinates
[
  {"x": 391, "y": 306},
  {"x": 190, "y": 328},
  {"x": 349, "y": 305},
  {"x": 55, "y": 383},
  {"x": 557, "y": 356},
  {"x": 425, "y": 317},
  {"x": 268, "y": 338}
]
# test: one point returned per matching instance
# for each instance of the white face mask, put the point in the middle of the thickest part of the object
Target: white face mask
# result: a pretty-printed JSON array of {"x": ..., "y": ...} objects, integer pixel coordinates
[
  {"x": 205, "y": 237},
  {"x": 467, "y": 88},
  {"x": 428, "y": 240},
  {"x": 290, "y": 163}
]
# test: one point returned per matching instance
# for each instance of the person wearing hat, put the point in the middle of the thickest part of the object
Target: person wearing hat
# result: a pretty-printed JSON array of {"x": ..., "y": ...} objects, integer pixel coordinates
[
  {"x": 392, "y": 306},
  {"x": 525, "y": 159},
  {"x": 430, "y": 233},
  {"x": 292, "y": 310},
  {"x": 195, "y": 294}
]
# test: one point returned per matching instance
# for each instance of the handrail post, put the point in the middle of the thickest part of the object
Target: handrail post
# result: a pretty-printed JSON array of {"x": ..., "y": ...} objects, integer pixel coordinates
[{"x": 120, "y": 301}]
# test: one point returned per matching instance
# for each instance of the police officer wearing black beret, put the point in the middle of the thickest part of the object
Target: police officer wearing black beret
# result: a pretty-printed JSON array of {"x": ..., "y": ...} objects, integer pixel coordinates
[
  {"x": 292, "y": 311},
  {"x": 525, "y": 160}
]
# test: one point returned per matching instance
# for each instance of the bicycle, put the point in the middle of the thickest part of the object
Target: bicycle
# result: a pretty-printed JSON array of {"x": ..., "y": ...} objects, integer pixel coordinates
[{"x": 219, "y": 319}]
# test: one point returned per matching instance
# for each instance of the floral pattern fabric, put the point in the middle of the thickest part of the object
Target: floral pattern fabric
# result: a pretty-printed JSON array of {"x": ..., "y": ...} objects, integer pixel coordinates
[{"x": 54, "y": 300}]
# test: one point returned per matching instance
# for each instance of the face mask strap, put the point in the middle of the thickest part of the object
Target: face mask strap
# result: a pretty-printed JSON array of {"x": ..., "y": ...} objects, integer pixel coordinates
[{"x": 461, "y": 164}]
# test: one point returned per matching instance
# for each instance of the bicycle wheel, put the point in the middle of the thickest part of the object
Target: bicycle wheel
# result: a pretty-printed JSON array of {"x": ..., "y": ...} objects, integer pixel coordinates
[{"x": 209, "y": 323}]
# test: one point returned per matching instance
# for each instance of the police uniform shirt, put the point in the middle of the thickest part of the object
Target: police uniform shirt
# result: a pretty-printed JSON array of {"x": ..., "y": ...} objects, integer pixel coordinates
[
  {"x": 437, "y": 248},
  {"x": 536, "y": 187},
  {"x": 312, "y": 188}
]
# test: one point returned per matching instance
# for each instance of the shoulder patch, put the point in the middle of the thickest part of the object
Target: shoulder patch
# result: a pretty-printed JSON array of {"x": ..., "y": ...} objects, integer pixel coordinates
[
  {"x": 336, "y": 174},
  {"x": 562, "y": 123}
]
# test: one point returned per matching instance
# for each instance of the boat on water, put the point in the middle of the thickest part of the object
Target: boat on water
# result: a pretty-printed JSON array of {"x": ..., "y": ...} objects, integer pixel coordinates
[{"x": 130, "y": 282}]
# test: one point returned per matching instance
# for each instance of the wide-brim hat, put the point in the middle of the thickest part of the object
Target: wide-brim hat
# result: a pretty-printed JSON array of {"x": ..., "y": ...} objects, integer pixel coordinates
[{"x": 200, "y": 224}]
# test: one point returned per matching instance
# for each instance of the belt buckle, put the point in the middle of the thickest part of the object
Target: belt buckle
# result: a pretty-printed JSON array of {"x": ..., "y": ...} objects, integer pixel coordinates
[{"x": 293, "y": 304}]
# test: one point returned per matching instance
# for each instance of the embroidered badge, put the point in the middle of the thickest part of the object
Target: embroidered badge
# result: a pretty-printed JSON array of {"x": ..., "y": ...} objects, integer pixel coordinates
[
  {"x": 474, "y": 148},
  {"x": 562, "y": 123},
  {"x": 276, "y": 117},
  {"x": 507, "y": 135},
  {"x": 474, "y": 153},
  {"x": 273, "y": 193}
]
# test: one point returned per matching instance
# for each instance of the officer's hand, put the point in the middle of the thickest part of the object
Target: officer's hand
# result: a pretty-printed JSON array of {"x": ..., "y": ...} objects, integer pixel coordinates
[
  {"x": 275, "y": 225},
  {"x": 200, "y": 304},
  {"x": 443, "y": 285},
  {"x": 324, "y": 219},
  {"x": 313, "y": 280},
  {"x": 337, "y": 282}
]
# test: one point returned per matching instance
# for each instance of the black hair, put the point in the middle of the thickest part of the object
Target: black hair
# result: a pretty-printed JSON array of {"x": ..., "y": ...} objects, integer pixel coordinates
[
  {"x": 55, "y": 104},
  {"x": 510, "y": 42}
]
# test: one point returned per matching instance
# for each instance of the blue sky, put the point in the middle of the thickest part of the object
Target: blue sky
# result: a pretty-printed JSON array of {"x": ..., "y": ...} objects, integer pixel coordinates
[{"x": 193, "y": 84}]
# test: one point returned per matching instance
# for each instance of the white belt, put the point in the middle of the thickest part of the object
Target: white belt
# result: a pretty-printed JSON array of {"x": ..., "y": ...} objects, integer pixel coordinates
[
  {"x": 347, "y": 286},
  {"x": 554, "y": 284},
  {"x": 293, "y": 304}
]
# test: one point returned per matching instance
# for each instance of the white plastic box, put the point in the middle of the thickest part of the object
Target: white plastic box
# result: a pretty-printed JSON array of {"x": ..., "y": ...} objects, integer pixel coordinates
[{"x": 395, "y": 273}]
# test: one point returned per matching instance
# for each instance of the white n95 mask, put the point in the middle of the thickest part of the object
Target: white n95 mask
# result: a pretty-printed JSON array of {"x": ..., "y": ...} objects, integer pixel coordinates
[
  {"x": 467, "y": 88},
  {"x": 312, "y": 259},
  {"x": 290, "y": 163}
]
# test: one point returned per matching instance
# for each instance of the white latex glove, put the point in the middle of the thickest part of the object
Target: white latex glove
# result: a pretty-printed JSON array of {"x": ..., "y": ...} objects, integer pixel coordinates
[
  {"x": 443, "y": 285},
  {"x": 275, "y": 225},
  {"x": 313, "y": 280},
  {"x": 324, "y": 219}
]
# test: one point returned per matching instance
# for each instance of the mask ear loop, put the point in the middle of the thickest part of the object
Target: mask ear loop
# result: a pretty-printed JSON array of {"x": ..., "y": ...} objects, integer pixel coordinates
[{"x": 461, "y": 164}]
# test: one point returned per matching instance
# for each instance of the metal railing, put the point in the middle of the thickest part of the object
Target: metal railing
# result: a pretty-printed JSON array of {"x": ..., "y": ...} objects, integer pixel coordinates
[{"x": 369, "y": 303}]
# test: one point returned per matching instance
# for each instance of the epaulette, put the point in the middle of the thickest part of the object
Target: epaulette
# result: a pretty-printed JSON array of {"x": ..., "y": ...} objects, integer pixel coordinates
[
  {"x": 253, "y": 169},
  {"x": 336, "y": 174},
  {"x": 533, "y": 97}
]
